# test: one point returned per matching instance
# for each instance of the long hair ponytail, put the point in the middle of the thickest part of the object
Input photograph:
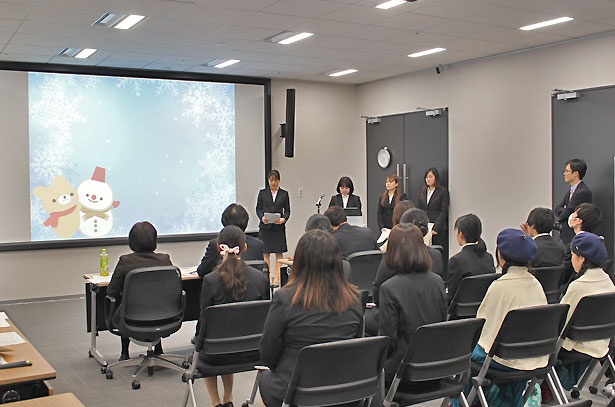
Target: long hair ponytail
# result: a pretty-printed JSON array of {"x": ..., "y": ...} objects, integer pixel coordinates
[{"x": 231, "y": 242}]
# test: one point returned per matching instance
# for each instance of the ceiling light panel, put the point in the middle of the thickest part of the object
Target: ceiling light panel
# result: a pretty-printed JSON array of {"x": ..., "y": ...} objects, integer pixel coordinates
[
  {"x": 546, "y": 23},
  {"x": 426, "y": 52}
]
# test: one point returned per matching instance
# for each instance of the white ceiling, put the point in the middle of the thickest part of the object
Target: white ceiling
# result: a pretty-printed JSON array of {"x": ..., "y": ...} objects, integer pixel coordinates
[{"x": 183, "y": 35}]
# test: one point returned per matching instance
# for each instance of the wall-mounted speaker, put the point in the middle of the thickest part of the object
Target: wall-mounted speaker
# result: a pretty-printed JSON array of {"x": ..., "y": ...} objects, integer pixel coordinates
[{"x": 288, "y": 130}]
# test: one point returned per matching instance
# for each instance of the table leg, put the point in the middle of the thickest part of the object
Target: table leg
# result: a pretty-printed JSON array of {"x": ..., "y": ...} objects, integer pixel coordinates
[{"x": 94, "y": 329}]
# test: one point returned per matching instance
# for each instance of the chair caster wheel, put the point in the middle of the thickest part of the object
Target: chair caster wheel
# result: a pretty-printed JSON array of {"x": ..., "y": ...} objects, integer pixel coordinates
[
  {"x": 90, "y": 354},
  {"x": 136, "y": 385},
  {"x": 184, "y": 378},
  {"x": 593, "y": 390},
  {"x": 185, "y": 364},
  {"x": 575, "y": 394},
  {"x": 150, "y": 370},
  {"x": 103, "y": 370},
  {"x": 245, "y": 404},
  {"x": 109, "y": 374}
]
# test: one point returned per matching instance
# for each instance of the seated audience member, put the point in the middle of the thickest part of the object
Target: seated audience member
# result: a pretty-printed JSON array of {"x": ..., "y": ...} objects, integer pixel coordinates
[
  {"x": 588, "y": 259},
  {"x": 318, "y": 221},
  {"x": 585, "y": 218},
  {"x": 517, "y": 288},
  {"x": 540, "y": 222},
  {"x": 351, "y": 239},
  {"x": 418, "y": 218},
  {"x": 303, "y": 314},
  {"x": 411, "y": 298},
  {"x": 236, "y": 215},
  {"x": 142, "y": 241},
  {"x": 399, "y": 210},
  {"x": 473, "y": 259},
  {"x": 231, "y": 281}
]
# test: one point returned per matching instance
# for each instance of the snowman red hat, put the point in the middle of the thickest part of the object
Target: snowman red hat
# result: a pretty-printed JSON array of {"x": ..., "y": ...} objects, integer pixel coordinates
[{"x": 99, "y": 174}]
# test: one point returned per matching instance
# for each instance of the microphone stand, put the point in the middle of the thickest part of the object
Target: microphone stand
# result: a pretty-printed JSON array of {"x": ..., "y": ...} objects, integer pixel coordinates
[{"x": 318, "y": 203}]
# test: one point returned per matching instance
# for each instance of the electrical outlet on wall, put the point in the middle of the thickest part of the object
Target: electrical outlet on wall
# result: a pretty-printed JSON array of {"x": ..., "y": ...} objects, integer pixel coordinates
[{"x": 300, "y": 193}]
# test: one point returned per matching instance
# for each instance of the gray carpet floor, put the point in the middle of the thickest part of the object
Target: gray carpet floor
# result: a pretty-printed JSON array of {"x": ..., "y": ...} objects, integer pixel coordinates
[{"x": 57, "y": 329}]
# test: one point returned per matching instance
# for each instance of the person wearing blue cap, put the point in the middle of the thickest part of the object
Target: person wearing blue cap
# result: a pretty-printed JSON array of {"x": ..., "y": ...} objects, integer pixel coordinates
[
  {"x": 588, "y": 259},
  {"x": 517, "y": 288}
]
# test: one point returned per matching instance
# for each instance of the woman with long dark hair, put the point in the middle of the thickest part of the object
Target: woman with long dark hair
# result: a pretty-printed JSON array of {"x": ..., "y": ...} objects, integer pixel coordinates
[
  {"x": 317, "y": 305},
  {"x": 473, "y": 259},
  {"x": 231, "y": 281},
  {"x": 434, "y": 199},
  {"x": 387, "y": 201}
]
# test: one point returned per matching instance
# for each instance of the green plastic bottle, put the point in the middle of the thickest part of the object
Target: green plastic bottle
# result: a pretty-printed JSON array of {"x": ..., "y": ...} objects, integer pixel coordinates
[{"x": 104, "y": 263}]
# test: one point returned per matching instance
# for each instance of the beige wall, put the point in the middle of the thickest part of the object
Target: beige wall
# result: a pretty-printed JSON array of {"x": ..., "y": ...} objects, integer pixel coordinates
[{"x": 499, "y": 148}]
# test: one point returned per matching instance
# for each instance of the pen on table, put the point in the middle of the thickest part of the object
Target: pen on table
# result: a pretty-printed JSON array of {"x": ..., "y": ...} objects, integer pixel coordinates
[{"x": 20, "y": 363}]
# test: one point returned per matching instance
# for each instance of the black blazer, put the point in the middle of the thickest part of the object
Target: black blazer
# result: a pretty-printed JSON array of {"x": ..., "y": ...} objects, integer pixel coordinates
[
  {"x": 214, "y": 293},
  {"x": 562, "y": 211},
  {"x": 354, "y": 201},
  {"x": 211, "y": 258},
  {"x": 130, "y": 262},
  {"x": 288, "y": 329},
  {"x": 550, "y": 252},
  {"x": 265, "y": 203},
  {"x": 354, "y": 239},
  {"x": 468, "y": 262},
  {"x": 437, "y": 208},
  {"x": 385, "y": 212}
]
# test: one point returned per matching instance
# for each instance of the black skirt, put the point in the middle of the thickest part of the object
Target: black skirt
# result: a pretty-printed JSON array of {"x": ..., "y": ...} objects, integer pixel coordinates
[{"x": 274, "y": 240}]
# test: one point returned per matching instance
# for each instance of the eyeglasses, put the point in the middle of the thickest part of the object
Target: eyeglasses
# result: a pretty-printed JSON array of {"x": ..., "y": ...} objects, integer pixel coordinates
[{"x": 566, "y": 170}]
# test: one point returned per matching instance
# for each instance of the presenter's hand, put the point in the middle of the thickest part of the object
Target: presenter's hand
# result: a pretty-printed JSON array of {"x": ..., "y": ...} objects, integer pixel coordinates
[
  {"x": 525, "y": 228},
  {"x": 281, "y": 221},
  {"x": 433, "y": 232},
  {"x": 264, "y": 219}
]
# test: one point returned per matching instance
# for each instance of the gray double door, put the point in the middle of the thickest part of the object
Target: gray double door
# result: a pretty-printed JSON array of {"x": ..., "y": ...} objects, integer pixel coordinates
[{"x": 415, "y": 142}]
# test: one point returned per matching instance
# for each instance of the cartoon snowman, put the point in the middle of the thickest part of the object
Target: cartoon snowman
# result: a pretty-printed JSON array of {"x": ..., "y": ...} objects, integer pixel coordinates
[{"x": 96, "y": 200}]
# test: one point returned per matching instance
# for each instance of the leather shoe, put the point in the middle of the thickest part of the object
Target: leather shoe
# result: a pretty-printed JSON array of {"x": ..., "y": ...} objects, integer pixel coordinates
[
  {"x": 124, "y": 356},
  {"x": 229, "y": 404}
]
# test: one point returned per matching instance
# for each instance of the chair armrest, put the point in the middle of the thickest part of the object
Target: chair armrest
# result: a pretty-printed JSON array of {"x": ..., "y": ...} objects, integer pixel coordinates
[{"x": 110, "y": 308}]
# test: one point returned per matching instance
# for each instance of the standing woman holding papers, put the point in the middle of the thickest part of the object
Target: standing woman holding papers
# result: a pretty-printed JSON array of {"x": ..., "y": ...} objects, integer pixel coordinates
[
  {"x": 273, "y": 210},
  {"x": 434, "y": 200},
  {"x": 390, "y": 197},
  {"x": 345, "y": 197}
]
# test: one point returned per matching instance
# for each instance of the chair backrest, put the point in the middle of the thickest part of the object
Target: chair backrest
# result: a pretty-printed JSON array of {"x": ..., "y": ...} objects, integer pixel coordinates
[
  {"x": 549, "y": 278},
  {"x": 153, "y": 303},
  {"x": 440, "y": 350},
  {"x": 257, "y": 264},
  {"x": 592, "y": 319},
  {"x": 530, "y": 332},
  {"x": 337, "y": 372},
  {"x": 438, "y": 247},
  {"x": 469, "y": 295},
  {"x": 232, "y": 328},
  {"x": 363, "y": 268}
]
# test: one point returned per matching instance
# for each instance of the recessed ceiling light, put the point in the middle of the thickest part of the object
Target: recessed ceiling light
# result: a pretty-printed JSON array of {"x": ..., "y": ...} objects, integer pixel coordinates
[
  {"x": 222, "y": 63},
  {"x": 546, "y": 23},
  {"x": 77, "y": 52},
  {"x": 344, "y": 72},
  {"x": 390, "y": 4},
  {"x": 119, "y": 21},
  {"x": 426, "y": 52},
  {"x": 288, "y": 37}
]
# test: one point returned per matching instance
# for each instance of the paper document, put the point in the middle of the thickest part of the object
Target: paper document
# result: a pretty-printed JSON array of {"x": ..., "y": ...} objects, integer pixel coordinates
[
  {"x": 3, "y": 320},
  {"x": 384, "y": 235},
  {"x": 10, "y": 338},
  {"x": 188, "y": 270},
  {"x": 272, "y": 217},
  {"x": 2, "y": 360},
  {"x": 100, "y": 279}
]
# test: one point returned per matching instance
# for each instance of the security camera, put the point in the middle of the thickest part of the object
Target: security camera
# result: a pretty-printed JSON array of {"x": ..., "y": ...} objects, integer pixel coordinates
[{"x": 439, "y": 69}]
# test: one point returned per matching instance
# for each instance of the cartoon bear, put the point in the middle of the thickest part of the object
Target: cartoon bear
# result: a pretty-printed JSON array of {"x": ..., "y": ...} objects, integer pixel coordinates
[
  {"x": 96, "y": 200},
  {"x": 61, "y": 202}
]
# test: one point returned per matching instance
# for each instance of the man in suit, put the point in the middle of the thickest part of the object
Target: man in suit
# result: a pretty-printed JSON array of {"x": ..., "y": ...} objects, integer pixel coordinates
[
  {"x": 236, "y": 215},
  {"x": 579, "y": 193},
  {"x": 352, "y": 239},
  {"x": 539, "y": 224}
]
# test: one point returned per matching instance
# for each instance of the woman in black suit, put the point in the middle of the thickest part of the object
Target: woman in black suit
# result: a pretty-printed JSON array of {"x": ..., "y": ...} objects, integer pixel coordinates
[
  {"x": 434, "y": 199},
  {"x": 317, "y": 305},
  {"x": 345, "y": 197},
  {"x": 273, "y": 199},
  {"x": 386, "y": 203},
  {"x": 142, "y": 241}
]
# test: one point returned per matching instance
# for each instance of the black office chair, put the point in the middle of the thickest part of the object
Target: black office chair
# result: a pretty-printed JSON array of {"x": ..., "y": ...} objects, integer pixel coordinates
[
  {"x": 440, "y": 351},
  {"x": 549, "y": 278},
  {"x": 363, "y": 268},
  {"x": 469, "y": 295},
  {"x": 593, "y": 319},
  {"x": 525, "y": 333},
  {"x": 261, "y": 265},
  {"x": 337, "y": 372},
  {"x": 228, "y": 342},
  {"x": 152, "y": 308}
]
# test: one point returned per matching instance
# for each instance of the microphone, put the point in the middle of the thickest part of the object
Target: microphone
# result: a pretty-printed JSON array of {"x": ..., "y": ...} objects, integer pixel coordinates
[{"x": 320, "y": 199}]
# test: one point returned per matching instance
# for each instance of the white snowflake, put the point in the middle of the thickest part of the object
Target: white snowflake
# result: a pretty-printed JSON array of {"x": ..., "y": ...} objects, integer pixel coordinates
[{"x": 134, "y": 83}]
